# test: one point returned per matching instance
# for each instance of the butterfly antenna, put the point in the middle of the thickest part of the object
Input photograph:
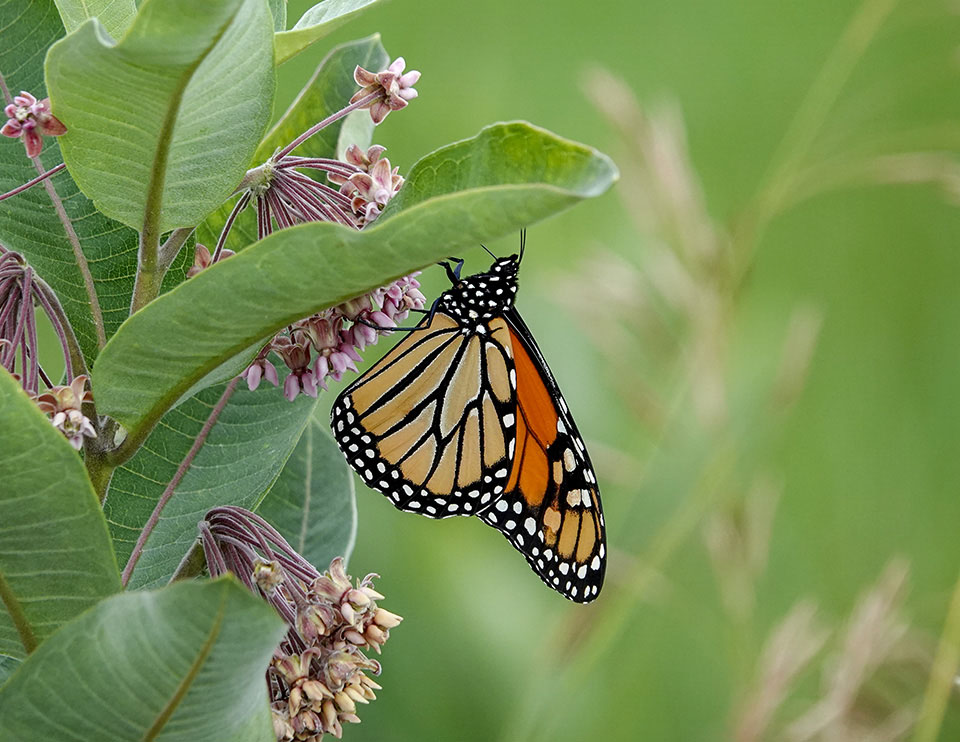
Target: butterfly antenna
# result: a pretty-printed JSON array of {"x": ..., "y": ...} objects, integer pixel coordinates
[
  {"x": 523, "y": 242},
  {"x": 489, "y": 251}
]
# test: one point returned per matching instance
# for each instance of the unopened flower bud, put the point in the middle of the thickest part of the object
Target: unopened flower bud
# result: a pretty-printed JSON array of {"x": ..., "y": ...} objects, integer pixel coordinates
[
  {"x": 386, "y": 619},
  {"x": 344, "y": 702},
  {"x": 267, "y": 575}
]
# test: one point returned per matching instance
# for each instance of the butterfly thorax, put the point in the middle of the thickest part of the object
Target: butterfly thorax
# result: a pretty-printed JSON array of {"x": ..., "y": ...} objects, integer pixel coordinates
[{"x": 475, "y": 299}]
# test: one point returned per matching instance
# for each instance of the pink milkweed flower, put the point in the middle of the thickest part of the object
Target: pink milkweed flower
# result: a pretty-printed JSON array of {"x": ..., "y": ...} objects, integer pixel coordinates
[
  {"x": 359, "y": 159},
  {"x": 370, "y": 192},
  {"x": 261, "y": 368},
  {"x": 27, "y": 119},
  {"x": 393, "y": 87},
  {"x": 203, "y": 260},
  {"x": 297, "y": 358}
]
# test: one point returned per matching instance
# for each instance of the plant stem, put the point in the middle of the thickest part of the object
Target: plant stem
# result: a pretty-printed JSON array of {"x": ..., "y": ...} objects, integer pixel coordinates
[
  {"x": 177, "y": 477},
  {"x": 78, "y": 255},
  {"x": 171, "y": 248},
  {"x": 364, "y": 101},
  {"x": 146, "y": 287},
  {"x": 30, "y": 183},
  {"x": 942, "y": 675},
  {"x": 52, "y": 305}
]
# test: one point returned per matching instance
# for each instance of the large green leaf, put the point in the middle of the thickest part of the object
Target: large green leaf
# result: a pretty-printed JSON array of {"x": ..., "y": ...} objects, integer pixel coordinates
[
  {"x": 165, "y": 121},
  {"x": 55, "y": 555},
  {"x": 115, "y": 15},
  {"x": 185, "y": 663},
  {"x": 321, "y": 20},
  {"x": 312, "y": 502},
  {"x": 241, "y": 458},
  {"x": 28, "y": 222},
  {"x": 328, "y": 91},
  {"x": 507, "y": 177}
]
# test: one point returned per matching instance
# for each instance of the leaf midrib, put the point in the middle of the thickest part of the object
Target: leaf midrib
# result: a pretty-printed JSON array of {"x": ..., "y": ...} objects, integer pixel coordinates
[
  {"x": 164, "y": 716},
  {"x": 308, "y": 489},
  {"x": 15, "y": 610},
  {"x": 158, "y": 173}
]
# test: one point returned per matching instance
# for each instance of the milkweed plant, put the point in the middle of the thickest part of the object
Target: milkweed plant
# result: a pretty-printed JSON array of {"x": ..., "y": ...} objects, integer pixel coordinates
[{"x": 180, "y": 279}]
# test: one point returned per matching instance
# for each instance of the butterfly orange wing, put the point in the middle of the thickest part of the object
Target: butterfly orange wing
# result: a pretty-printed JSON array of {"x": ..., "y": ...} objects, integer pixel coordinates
[{"x": 550, "y": 510}]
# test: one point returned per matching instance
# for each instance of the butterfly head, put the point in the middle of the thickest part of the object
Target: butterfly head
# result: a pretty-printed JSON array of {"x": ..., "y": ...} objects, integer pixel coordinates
[{"x": 483, "y": 295}]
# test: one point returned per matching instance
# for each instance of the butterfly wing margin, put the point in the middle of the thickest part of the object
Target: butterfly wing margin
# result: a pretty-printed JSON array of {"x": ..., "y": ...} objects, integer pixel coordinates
[
  {"x": 425, "y": 426},
  {"x": 551, "y": 510}
]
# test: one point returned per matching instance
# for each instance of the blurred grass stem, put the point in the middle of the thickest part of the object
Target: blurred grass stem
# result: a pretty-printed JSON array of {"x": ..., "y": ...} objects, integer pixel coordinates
[
  {"x": 943, "y": 675},
  {"x": 807, "y": 124}
]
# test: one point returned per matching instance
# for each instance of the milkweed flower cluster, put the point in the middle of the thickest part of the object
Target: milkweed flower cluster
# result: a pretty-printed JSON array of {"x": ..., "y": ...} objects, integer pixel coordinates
[
  {"x": 327, "y": 344},
  {"x": 318, "y": 674},
  {"x": 392, "y": 87},
  {"x": 21, "y": 291},
  {"x": 357, "y": 188},
  {"x": 28, "y": 119}
]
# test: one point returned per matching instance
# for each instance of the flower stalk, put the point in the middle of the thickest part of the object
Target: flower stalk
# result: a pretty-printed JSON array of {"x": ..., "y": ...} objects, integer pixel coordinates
[{"x": 81, "y": 260}]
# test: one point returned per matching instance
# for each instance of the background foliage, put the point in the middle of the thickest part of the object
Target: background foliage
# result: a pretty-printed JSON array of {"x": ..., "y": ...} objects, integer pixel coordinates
[{"x": 863, "y": 460}]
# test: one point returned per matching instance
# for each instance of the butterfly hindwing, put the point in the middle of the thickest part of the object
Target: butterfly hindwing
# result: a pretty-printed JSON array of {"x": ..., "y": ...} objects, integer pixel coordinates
[
  {"x": 551, "y": 509},
  {"x": 425, "y": 425}
]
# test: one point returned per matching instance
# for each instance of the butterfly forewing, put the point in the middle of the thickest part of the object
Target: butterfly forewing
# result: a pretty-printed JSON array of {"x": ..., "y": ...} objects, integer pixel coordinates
[
  {"x": 425, "y": 426},
  {"x": 551, "y": 509}
]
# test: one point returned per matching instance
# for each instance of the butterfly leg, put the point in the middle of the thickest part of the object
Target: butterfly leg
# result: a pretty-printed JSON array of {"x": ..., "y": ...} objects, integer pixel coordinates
[
  {"x": 424, "y": 326},
  {"x": 453, "y": 271}
]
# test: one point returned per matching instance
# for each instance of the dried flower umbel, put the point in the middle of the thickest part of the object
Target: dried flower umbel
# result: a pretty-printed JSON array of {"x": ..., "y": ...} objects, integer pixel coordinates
[
  {"x": 318, "y": 673},
  {"x": 327, "y": 344}
]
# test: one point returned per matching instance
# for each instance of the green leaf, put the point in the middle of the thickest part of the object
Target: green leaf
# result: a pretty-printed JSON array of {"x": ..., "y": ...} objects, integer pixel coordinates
[
  {"x": 321, "y": 20},
  {"x": 242, "y": 456},
  {"x": 328, "y": 91},
  {"x": 115, "y": 15},
  {"x": 278, "y": 9},
  {"x": 55, "y": 555},
  {"x": 183, "y": 663},
  {"x": 28, "y": 222},
  {"x": 312, "y": 503},
  {"x": 7, "y": 667},
  {"x": 164, "y": 123},
  {"x": 505, "y": 178}
]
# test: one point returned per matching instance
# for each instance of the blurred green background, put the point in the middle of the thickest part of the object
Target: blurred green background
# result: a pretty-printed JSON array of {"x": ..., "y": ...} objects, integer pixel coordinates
[{"x": 757, "y": 331}]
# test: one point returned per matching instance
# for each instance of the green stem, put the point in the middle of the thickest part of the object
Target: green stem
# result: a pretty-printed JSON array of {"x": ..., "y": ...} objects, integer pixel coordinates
[
  {"x": 942, "y": 675},
  {"x": 149, "y": 278},
  {"x": 171, "y": 248}
]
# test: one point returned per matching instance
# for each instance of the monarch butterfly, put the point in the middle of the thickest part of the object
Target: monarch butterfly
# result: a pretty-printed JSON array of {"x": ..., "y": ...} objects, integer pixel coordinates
[{"x": 463, "y": 417}]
